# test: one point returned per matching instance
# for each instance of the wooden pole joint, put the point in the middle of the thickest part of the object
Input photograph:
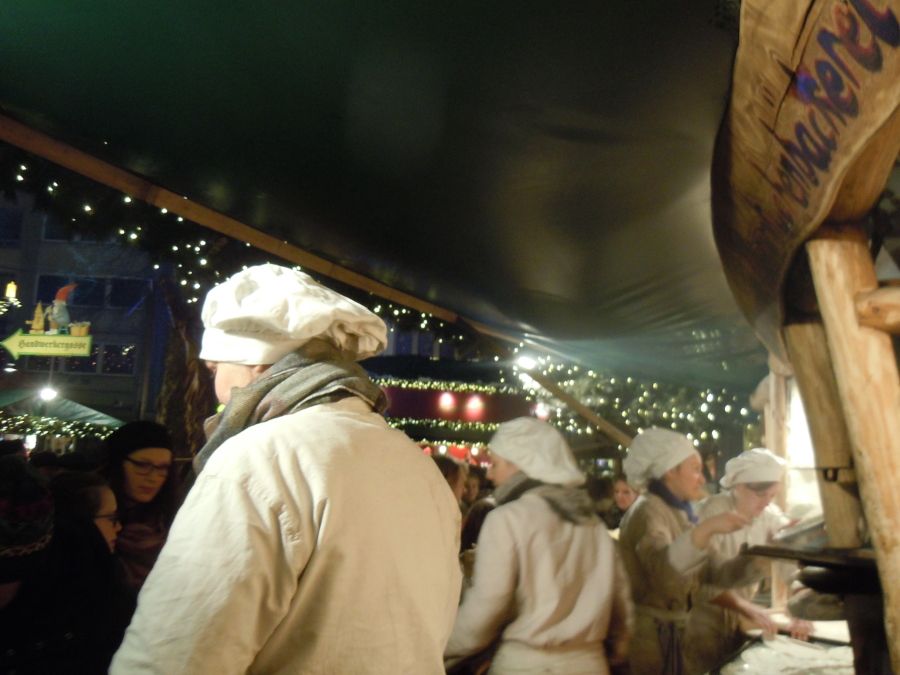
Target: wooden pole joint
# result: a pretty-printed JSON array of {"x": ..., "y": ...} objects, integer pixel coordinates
[{"x": 879, "y": 309}]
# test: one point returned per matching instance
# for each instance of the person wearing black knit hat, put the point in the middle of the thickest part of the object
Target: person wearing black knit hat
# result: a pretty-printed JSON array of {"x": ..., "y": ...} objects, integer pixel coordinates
[{"x": 139, "y": 470}]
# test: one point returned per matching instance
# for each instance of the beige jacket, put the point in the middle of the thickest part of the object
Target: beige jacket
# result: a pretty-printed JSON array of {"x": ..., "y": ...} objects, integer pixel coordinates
[
  {"x": 319, "y": 542},
  {"x": 555, "y": 591},
  {"x": 664, "y": 568}
]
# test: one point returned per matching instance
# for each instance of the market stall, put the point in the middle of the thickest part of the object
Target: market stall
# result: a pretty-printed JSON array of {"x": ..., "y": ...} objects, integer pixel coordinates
[{"x": 809, "y": 141}]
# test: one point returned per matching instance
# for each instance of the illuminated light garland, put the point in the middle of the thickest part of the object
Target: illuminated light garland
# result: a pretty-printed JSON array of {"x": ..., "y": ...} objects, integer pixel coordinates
[
  {"x": 440, "y": 385},
  {"x": 200, "y": 258},
  {"x": 43, "y": 426},
  {"x": 469, "y": 445},
  {"x": 702, "y": 414},
  {"x": 452, "y": 425}
]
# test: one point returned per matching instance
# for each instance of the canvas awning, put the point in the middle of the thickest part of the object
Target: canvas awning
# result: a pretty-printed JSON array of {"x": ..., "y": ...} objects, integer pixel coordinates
[
  {"x": 29, "y": 402},
  {"x": 541, "y": 171}
]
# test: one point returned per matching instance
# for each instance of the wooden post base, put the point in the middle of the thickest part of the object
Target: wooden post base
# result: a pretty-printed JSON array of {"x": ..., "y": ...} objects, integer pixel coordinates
[{"x": 865, "y": 368}]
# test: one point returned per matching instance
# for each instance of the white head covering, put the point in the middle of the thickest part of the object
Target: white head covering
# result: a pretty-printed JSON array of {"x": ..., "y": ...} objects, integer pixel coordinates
[
  {"x": 538, "y": 449},
  {"x": 758, "y": 465},
  {"x": 653, "y": 452},
  {"x": 265, "y": 312}
]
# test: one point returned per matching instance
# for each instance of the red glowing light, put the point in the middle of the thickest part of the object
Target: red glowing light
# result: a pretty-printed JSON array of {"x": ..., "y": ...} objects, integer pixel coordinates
[{"x": 447, "y": 402}]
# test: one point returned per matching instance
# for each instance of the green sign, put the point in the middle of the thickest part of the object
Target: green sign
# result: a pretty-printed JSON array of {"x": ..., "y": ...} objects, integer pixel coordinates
[{"x": 23, "y": 344}]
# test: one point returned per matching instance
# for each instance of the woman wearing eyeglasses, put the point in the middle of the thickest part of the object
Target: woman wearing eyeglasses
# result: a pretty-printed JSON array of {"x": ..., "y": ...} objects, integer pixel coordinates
[{"x": 139, "y": 469}]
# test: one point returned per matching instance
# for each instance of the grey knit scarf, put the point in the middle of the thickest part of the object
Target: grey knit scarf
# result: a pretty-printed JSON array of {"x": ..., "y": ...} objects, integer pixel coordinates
[{"x": 316, "y": 373}]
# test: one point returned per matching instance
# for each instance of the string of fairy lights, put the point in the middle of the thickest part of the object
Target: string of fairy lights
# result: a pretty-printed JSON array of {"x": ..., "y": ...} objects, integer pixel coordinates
[
  {"x": 37, "y": 425},
  {"x": 198, "y": 258},
  {"x": 631, "y": 404},
  {"x": 447, "y": 385}
]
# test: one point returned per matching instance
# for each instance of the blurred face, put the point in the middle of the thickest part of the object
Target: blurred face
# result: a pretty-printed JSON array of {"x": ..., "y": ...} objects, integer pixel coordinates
[
  {"x": 459, "y": 485},
  {"x": 686, "y": 481},
  {"x": 473, "y": 487},
  {"x": 145, "y": 471},
  {"x": 751, "y": 501},
  {"x": 501, "y": 471},
  {"x": 623, "y": 495},
  {"x": 230, "y": 375},
  {"x": 107, "y": 518}
]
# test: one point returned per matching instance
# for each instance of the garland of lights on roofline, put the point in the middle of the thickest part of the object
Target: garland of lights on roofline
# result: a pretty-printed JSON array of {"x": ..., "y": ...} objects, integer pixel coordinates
[{"x": 199, "y": 258}]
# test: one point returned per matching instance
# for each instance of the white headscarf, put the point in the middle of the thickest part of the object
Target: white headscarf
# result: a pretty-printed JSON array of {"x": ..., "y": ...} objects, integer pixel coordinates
[
  {"x": 653, "y": 452},
  {"x": 758, "y": 465},
  {"x": 263, "y": 313},
  {"x": 538, "y": 449}
]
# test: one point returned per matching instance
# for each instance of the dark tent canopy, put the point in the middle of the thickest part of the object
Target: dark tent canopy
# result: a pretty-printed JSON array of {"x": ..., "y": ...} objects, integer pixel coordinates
[{"x": 541, "y": 169}]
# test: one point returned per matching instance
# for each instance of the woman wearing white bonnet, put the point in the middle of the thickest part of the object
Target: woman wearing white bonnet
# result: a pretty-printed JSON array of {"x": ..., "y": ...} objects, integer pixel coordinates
[
  {"x": 715, "y": 626},
  {"x": 548, "y": 585},
  {"x": 312, "y": 524},
  {"x": 665, "y": 547}
]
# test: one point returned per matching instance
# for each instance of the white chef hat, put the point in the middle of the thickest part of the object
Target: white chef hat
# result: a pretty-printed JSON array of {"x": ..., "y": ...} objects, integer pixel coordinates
[
  {"x": 653, "y": 452},
  {"x": 758, "y": 465},
  {"x": 264, "y": 312},
  {"x": 538, "y": 449}
]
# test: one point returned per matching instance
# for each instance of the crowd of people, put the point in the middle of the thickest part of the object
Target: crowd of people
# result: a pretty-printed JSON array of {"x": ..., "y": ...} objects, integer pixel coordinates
[
  {"x": 317, "y": 539},
  {"x": 77, "y": 544}
]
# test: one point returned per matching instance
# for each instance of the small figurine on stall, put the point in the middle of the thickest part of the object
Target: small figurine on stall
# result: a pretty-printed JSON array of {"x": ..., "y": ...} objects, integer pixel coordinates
[
  {"x": 37, "y": 322},
  {"x": 58, "y": 313}
]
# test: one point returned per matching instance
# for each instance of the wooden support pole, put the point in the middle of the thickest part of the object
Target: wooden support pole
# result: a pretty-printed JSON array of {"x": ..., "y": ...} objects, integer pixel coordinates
[
  {"x": 610, "y": 430},
  {"x": 775, "y": 418},
  {"x": 865, "y": 368},
  {"x": 880, "y": 309},
  {"x": 808, "y": 351},
  {"x": 775, "y": 415}
]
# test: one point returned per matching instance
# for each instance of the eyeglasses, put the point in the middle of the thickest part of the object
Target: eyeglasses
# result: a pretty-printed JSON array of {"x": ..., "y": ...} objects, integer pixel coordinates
[
  {"x": 111, "y": 517},
  {"x": 146, "y": 468}
]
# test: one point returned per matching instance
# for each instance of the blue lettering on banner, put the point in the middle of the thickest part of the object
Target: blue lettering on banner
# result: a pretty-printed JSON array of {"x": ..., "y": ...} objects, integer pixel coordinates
[{"x": 828, "y": 90}]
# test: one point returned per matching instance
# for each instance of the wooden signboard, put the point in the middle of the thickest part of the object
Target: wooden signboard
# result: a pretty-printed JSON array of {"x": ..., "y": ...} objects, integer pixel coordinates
[
  {"x": 24, "y": 344},
  {"x": 815, "y": 81}
]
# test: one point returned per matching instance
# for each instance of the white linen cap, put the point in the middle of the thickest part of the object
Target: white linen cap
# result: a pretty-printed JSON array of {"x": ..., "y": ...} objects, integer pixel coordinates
[
  {"x": 759, "y": 465},
  {"x": 538, "y": 449},
  {"x": 262, "y": 313},
  {"x": 653, "y": 452}
]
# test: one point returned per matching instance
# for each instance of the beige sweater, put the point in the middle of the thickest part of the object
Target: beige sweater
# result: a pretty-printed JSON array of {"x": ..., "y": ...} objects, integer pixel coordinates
[
  {"x": 319, "y": 542},
  {"x": 664, "y": 568},
  {"x": 555, "y": 591}
]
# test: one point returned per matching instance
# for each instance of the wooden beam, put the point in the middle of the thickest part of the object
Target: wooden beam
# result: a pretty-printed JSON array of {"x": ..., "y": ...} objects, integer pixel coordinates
[
  {"x": 607, "y": 428},
  {"x": 136, "y": 187},
  {"x": 808, "y": 350},
  {"x": 775, "y": 415},
  {"x": 880, "y": 309},
  {"x": 865, "y": 369}
]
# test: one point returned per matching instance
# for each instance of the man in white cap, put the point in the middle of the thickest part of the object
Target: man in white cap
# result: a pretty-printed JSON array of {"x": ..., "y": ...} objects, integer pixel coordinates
[
  {"x": 664, "y": 547},
  {"x": 316, "y": 538},
  {"x": 548, "y": 582},
  {"x": 714, "y": 628}
]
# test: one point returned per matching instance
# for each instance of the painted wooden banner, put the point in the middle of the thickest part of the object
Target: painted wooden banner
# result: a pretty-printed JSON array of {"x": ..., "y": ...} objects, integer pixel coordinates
[
  {"x": 816, "y": 85},
  {"x": 23, "y": 344}
]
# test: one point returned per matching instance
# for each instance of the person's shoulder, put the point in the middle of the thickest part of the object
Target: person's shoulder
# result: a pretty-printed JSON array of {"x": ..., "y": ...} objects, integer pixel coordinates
[
  {"x": 524, "y": 506},
  {"x": 647, "y": 511},
  {"x": 647, "y": 505},
  {"x": 715, "y": 504}
]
